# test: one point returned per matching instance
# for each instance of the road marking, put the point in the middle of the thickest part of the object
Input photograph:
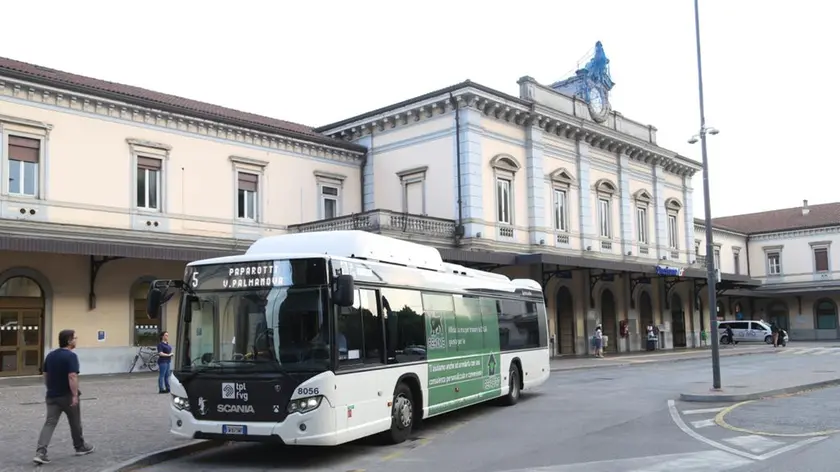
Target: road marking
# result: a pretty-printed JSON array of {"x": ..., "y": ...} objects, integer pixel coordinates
[
  {"x": 703, "y": 423},
  {"x": 720, "y": 419},
  {"x": 753, "y": 443},
  {"x": 675, "y": 416},
  {"x": 702, "y": 461},
  {"x": 701, "y": 411}
]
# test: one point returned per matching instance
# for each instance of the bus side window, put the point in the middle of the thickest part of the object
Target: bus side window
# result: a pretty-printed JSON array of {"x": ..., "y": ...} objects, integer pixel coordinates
[
  {"x": 348, "y": 334},
  {"x": 406, "y": 325}
]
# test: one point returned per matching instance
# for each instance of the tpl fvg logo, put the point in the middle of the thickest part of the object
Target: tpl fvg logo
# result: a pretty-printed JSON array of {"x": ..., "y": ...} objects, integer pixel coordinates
[{"x": 234, "y": 391}]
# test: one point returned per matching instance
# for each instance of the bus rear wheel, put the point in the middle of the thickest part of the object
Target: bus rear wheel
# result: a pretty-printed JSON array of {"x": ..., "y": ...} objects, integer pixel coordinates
[
  {"x": 513, "y": 393},
  {"x": 402, "y": 415}
]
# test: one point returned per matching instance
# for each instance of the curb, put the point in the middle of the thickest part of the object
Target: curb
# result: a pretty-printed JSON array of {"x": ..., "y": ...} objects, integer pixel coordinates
[
  {"x": 742, "y": 397},
  {"x": 163, "y": 455},
  {"x": 642, "y": 361}
]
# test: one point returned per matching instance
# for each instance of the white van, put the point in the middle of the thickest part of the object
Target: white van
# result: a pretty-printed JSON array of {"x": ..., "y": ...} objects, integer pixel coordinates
[{"x": 747, "y": 331}]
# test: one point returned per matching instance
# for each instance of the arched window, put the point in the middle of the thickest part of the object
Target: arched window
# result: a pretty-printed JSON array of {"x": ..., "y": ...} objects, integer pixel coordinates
[
  {"x": 146, "y": 330},
  {"x": 825, "y": 314}
]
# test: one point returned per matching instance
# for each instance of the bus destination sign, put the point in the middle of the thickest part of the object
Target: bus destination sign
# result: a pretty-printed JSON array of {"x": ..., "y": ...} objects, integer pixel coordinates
[{"x": 238, "y": 276}]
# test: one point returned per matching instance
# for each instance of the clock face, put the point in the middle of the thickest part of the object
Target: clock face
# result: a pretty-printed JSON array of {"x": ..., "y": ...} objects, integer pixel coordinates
[{"x": 596, "y": 101}]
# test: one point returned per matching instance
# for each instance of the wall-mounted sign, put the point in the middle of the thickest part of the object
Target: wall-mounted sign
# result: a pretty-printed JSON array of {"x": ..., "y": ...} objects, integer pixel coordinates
[{"x": 100, "y": 335}]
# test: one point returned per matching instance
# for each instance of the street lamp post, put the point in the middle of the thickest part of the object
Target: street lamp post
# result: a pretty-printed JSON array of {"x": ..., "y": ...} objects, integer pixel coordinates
[{"x": 711, "y": 276}]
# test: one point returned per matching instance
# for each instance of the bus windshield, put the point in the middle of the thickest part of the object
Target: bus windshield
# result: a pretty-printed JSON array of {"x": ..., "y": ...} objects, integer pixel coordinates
[{"x": 258, "y": 328}]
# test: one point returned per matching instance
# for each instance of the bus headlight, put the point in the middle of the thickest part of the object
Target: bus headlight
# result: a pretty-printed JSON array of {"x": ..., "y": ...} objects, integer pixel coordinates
[
  {"x": 180, "y": 403},
  {"x": 303, "y": 405}
]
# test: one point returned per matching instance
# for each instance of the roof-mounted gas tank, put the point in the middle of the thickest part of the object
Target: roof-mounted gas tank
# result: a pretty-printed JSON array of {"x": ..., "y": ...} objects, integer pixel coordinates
[{"x": 352, "y": 243}]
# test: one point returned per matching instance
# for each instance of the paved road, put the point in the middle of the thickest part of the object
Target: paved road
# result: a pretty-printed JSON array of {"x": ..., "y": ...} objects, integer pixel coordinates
[{"x": 601, "y": 420}]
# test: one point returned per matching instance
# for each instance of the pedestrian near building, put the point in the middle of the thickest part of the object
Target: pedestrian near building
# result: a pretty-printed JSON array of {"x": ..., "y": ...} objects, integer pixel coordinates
[
  {"x": 61, "y": 376},
  {"x": 164, "y": 362}
]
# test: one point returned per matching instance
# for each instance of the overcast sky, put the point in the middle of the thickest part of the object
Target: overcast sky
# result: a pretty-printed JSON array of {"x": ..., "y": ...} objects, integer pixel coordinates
[{"x": 768, "y": 66}]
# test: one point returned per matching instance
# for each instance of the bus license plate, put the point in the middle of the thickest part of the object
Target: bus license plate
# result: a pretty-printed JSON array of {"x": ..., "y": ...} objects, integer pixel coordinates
[{"x": 234, "y": 429}]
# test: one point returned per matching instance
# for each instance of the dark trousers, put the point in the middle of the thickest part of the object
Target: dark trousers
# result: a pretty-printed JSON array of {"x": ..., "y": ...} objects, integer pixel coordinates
[{"x": 55, "y": 407}]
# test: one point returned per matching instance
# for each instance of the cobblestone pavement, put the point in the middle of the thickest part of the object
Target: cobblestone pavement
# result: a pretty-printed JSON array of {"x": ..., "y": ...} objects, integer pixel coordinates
[{"x": 122, "y": 415}]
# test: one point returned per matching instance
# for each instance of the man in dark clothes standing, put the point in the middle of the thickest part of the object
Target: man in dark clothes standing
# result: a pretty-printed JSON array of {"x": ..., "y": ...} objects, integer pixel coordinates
[{"x": 61, "y": 375}]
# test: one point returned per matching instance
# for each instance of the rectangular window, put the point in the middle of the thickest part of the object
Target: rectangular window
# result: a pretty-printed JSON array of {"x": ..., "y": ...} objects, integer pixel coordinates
[
  {"x": 503, "y": 201},
  {"x": 605, "y": 217},
  {"x": 737, "y": 260},
  {"x": 24, "y": 156},
  {"x": 405, "y": 325},
  {"x": 247, "y": 195},
  {"x": 329, "y": 202},
  {"x": 359, "y": 335},
  {"x": 774, "y": 263},
  {"x": 413, "y": 198},
  {"x": 673, "y": 234},
  {"x": 148, "y": 183},
  {"x": 717, "y": 259},
  {"x": 560, "y": 214},
  {"x": 821, "y": 259},
  {"x": 642, "y": 225}
]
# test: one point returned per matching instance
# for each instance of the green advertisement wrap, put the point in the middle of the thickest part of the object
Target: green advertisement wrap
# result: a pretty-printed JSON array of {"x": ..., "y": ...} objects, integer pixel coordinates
[{"x": 463, "y": 351}]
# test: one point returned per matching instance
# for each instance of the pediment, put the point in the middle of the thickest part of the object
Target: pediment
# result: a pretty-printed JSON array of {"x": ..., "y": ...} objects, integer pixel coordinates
[
  {"x": 605, "y": 186},
  {"x": 562, "y": 175},
  {"x": 505, "y": 162},
  {"x": 673, "y": 204},
  {"x": 643, "y": 196}
]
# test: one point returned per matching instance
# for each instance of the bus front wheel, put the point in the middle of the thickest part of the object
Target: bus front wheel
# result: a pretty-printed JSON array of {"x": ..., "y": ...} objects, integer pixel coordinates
[{"x": 402, "y": 415}]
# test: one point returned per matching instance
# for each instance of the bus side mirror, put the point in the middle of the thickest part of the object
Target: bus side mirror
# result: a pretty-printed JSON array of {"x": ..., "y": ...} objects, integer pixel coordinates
[
  {"x": 345, "y": 290},
  {"x": 154, "y": 301}
]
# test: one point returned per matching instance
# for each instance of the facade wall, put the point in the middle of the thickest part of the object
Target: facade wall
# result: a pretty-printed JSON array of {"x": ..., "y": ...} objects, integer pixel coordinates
[
  {"x": 64, "y": 282},
  {"x": 91, "y": 171},
  {"x": 731, "y": 250}
]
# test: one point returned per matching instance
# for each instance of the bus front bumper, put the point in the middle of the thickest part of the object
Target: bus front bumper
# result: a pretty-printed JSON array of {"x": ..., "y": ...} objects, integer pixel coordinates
[{"x": 314, "y": 428}]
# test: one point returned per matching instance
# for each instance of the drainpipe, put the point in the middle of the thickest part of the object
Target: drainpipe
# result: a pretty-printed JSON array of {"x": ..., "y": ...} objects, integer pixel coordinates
[
  {"x": 747, "y": 248},
  {"x": 459, "y": 228}
]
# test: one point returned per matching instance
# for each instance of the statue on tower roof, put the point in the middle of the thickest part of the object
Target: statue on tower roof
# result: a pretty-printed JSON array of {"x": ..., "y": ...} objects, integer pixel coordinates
[{"x": 598, "y": 68}]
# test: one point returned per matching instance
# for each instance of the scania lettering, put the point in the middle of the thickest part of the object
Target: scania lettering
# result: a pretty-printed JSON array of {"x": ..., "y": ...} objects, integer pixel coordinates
[
  {"x": 235, "y": 409},
  {"x": 326, "y": 337}
]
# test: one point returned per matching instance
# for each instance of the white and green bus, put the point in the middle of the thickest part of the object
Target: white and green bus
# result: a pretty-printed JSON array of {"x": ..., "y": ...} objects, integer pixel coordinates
[{"x": 324, "y": 338}]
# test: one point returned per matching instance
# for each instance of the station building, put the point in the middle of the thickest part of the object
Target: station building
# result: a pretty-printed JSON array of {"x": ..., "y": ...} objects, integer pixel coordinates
[{"x": 106, "y": 187}]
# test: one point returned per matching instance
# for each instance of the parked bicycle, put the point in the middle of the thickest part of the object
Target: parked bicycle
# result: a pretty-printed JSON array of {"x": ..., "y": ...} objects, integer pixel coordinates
[{"x": 148, "y": 356}]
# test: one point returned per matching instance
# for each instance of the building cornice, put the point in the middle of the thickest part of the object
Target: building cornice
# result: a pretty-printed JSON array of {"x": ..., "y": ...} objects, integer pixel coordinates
[
  {"x": 517, "y": 112},
  {"x": 797, "y": 233},
  {"x": 40, "y": 94},
  {"x": 699, "y": 227}
]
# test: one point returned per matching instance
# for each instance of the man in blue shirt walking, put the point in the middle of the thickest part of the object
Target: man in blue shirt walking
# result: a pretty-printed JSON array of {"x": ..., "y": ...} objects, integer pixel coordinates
[{"x": 61, "y": 376}]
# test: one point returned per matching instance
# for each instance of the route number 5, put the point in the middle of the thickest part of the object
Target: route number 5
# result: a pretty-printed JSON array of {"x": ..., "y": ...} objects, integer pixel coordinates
[{"x": 194, "y": 279}]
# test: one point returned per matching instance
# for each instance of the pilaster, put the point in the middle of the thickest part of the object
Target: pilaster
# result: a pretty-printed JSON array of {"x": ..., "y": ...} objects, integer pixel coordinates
[
  {"x": 587, "y": 222},
  {"x": 688, "y": 215},
  {"x": 661, "y": 223},
  {"x": 472, "y": 196},
  {"x": 625, "y": 202},
  {"x": 368, "y": 199},
  {"x": 536, "y": 183}
]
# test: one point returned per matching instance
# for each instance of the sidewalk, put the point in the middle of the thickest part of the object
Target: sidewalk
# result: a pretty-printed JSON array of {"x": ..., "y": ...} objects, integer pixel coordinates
[
  {"x": 122, "y": 415},
  {"x": 636, "y": 358},
  {"x": 789, "y": 374}
]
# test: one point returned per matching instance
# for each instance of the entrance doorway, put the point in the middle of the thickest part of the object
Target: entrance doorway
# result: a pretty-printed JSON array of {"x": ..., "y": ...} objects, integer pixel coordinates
[
  {"x": 778, "y": 312},
  {"x": 21, "y": 327},
  {"x": 565, "y": 321},
  {"x": 678, "y": 321},
  {"x": 645, "y": 313},
  {"x": 608, "y": 319}
]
